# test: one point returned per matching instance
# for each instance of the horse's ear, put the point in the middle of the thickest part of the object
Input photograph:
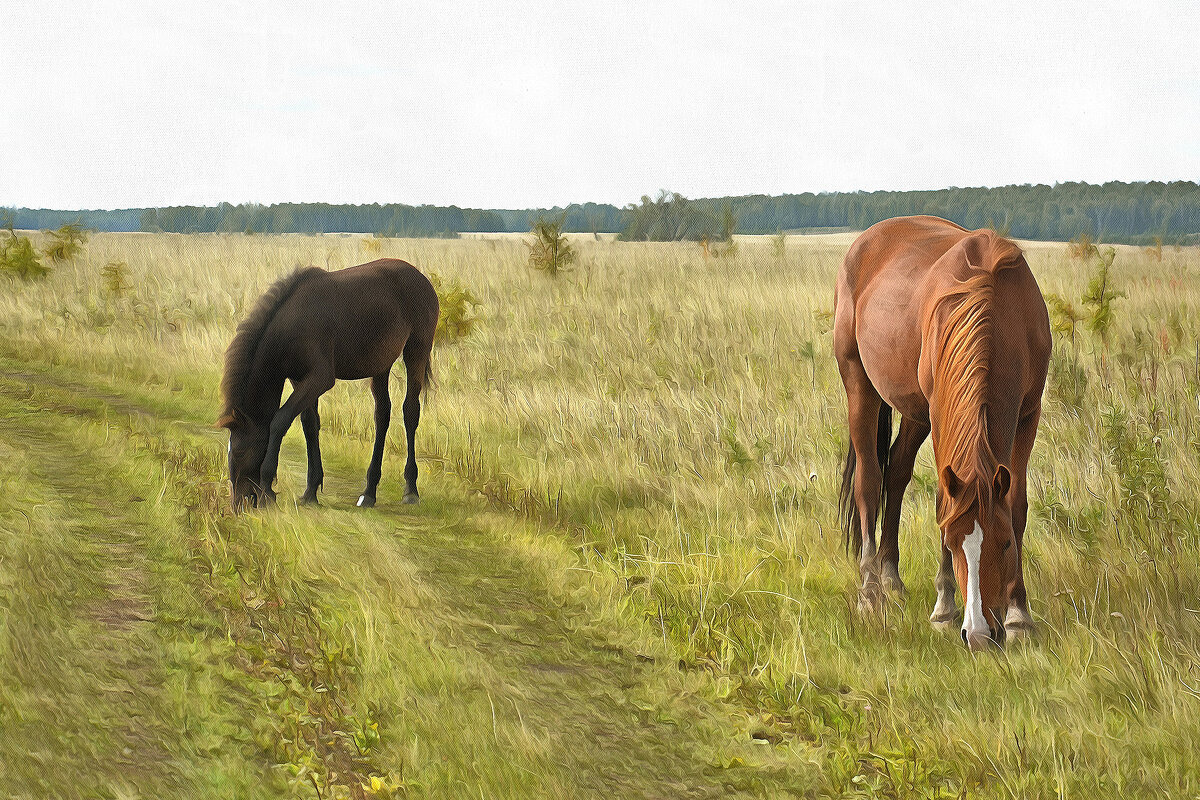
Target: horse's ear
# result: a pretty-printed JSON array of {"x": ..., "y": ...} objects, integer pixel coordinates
[
  {"x": 1001, "y": 481},
  {"x": 950, "y": 482}
]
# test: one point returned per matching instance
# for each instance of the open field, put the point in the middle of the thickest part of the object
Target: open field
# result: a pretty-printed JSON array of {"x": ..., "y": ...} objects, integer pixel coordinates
[{"x": 626, "y": 576}]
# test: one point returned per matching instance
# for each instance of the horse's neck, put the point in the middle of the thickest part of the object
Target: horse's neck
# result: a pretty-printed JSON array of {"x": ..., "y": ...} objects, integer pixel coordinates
[{"x": 264, "y": 390}]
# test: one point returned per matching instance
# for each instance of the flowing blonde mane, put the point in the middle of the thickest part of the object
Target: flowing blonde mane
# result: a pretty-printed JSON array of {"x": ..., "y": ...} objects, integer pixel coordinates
[{"x": 961, "y": 370}]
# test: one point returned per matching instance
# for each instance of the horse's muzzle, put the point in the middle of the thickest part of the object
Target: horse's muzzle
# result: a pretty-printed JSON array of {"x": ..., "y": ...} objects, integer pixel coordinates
[{"x": 979, "y": 642}]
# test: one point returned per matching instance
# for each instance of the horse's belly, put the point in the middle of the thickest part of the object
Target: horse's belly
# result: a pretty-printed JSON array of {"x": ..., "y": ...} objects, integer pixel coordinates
[{"x": 889, "y": 345}]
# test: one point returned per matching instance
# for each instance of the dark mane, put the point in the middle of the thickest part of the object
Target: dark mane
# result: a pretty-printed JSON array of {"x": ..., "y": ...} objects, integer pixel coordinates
[{"x": 240, "y": 353}]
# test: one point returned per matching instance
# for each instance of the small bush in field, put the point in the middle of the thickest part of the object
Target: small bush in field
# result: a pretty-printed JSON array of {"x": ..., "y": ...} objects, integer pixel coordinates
[
  {"x": 459, "y": 309},
  {"x": 1099, "y": 297},
  {"x": 1064, "y": 317},
  {"x": 115, "y": 278},
  {"x": 550, "y": 251},
  {"x": 1082, "y": 247},
  {"x": 66, "y": 242},
  {"x": 17, "y": 257}
]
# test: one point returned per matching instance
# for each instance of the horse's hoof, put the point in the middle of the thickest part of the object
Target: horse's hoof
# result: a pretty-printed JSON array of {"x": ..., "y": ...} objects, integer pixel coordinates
[
  {"x": 947, "y": 622},
  {"x": 366, "y": 501},
  {"x": 411, "y": 499},
  {"x": 870, "y": 599},
  {"x": 1019, "y": 625},
  {"x": 893, "y": 585},
  {"x": 267, "y": 499},
  {"x": 308, "y": 500}
]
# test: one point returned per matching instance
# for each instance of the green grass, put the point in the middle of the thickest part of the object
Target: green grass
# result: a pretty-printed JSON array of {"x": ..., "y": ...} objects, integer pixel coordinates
[{"x": 627, "y": 559}]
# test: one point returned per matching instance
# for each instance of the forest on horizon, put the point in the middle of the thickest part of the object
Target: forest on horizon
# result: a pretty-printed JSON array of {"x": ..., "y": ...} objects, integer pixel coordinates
[{"x": 1117, "y": 212}]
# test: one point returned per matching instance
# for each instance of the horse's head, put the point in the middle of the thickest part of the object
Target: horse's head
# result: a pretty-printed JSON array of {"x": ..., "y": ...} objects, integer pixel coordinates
[
  {"x": 247, "y": 450},
  {"x": 976, "y": 521}
]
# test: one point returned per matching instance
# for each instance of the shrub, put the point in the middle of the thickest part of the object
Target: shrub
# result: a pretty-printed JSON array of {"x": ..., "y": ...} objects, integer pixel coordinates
[
  {"x": 1064, "y": 317},
  {"x": 66, "y": 242},
  {"x": 1099, "y": 297},
  {"x": 550, "y": 251},
  {"x": 115, "y": 278},
  {"x": 17, "y": 256},
  {"x": 459, "y": 310},
  {"x": 1082, "y": 247}
]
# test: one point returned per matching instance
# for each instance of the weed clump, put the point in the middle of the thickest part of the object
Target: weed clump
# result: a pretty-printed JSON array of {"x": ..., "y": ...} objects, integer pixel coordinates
[
  {"x": 66, "y": 242},
  {"x": 18, "y": 258},
  {"x": 459, "y": 310},
  {"x": 1082, "y": 247}
]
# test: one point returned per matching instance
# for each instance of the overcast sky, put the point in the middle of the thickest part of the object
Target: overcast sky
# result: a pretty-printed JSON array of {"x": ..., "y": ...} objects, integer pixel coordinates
[{"x": 519, "y": 104}]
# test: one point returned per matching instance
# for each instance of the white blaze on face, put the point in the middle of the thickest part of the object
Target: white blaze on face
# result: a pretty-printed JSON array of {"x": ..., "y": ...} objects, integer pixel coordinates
[{"x": 974, "y": 623}]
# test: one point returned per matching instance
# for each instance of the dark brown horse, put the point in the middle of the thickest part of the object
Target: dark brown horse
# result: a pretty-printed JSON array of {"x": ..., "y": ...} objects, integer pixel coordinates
[
  {"x": 311, "y": 328},
  {"x": 948, "y": 327}
]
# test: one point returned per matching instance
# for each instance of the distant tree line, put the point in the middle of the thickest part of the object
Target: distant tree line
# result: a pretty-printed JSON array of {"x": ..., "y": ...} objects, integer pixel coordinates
[
  {"x": 1135, "y": 213},
  {"x": 390, "y": 219}
]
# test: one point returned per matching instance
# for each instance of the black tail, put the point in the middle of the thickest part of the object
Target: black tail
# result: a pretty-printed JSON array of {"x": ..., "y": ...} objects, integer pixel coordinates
[{"x": 847, "y": 508}]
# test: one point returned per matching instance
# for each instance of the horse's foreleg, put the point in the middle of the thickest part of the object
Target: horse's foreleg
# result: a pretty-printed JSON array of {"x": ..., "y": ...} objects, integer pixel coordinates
[
  {"x": 899, "y": 472},
  {"x": 1018, "y": 621},
  {"x": 304, "y": 395},
  {"x": 416, "y": 360},
  {"x": 945, "y": 614},
  {"x": 310, "y": 420},
  {"x": 383, "y": 418}
]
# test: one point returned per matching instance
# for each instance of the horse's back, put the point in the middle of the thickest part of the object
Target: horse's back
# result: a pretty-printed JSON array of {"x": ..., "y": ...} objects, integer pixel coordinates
[
  {"x": 908, "y": 244},
  {"x": 892, "y": 281},
  {"x": 363, "y": 317}
]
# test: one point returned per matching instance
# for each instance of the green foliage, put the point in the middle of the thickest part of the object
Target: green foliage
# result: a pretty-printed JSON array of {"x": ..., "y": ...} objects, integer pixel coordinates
[
  {"x": 1064, "y": 317},
  {"x": 459, "y": 309},
  {"x": 1131, "y": 213},
  {"x": 672, "y": 217},
  {"x": 550, "y": 251},
  {"x": 1003, "y": 228},
  {"x": 1068, "y": 380},
  {"x": 729, "y": 221},
  {"x": 1100, "y": 295},
  {"x": 17, "y": 257},
  {"x": 66, "y": 242},
  {"x": 1139, "y": 467}
]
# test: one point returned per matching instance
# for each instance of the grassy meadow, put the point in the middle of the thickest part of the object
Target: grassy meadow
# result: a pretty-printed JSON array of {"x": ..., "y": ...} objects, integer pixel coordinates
[{"x": 626, "y": 575}]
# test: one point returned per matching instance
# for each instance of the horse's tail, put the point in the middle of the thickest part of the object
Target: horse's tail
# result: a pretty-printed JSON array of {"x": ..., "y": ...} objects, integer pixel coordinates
[{"x": 847, "y": 508}]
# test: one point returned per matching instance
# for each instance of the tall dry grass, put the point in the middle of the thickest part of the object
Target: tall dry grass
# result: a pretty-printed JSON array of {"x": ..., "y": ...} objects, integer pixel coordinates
[{"x": 679, "y": 421}]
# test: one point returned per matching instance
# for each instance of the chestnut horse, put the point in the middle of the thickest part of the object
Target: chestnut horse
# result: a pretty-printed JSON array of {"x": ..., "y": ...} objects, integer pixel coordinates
[
  {"x": 313, "y": 327},
  {"x": 948, "y": 327}
]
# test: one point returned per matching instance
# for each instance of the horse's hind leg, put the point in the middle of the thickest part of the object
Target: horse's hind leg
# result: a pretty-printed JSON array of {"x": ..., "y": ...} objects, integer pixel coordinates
[
  {"x": 865, "y": 404},
  {"x": 899, "y": 472},
  {"x": 383, "y": 418},
  {"x": 310, "y": 420},
  {"x": 416, "y": 362}
]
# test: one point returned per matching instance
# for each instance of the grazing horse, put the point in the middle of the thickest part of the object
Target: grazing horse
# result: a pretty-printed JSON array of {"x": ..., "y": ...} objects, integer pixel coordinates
[
  {"x": 948, "y": 327},
  {"x": 313, "y": 327}
]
